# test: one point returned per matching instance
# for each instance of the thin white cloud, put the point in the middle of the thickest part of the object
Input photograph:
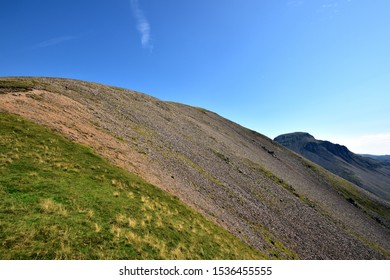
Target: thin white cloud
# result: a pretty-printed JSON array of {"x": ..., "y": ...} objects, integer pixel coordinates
[
  {"x": 143, "y": 25},
  {"x": 331, "y": 7},
  {"x": 53, "y": 41}
]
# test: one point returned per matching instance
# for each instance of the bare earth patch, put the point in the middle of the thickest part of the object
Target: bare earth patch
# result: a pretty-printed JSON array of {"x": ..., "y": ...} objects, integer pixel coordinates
[{"x": 73, "y": 120}]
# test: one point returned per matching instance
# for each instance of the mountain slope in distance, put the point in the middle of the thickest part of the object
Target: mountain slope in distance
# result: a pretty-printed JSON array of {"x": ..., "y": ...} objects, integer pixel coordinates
[
  {"x": 378, "y": 157},
  {"x": 372, "y": 174},
  {"x": 269, "y": 197}
]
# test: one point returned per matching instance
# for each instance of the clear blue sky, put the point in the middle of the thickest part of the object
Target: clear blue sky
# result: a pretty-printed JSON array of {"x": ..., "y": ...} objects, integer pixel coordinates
[{"x": 275, "y": 66}]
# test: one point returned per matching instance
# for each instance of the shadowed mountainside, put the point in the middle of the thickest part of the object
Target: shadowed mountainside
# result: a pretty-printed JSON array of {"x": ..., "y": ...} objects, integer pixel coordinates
[
  {"x": 269, "y": 197},
  {"x": 378, "y": 157},
  {"x": 372, "y": 174}
]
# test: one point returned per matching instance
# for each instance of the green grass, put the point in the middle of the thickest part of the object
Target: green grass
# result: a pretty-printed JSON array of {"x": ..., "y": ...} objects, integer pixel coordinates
[
  {"x": 276, "y": 249},
  {"x": 59, "y": 200},
  {"x": 13, "y": 85}
]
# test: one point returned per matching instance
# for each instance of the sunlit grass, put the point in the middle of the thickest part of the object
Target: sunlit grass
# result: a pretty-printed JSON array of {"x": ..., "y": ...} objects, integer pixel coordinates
[{"x": 58, "y": 200}]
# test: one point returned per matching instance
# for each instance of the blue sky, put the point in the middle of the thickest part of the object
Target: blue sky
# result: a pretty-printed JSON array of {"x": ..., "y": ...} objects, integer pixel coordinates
[{"x": 320, "y": 66}]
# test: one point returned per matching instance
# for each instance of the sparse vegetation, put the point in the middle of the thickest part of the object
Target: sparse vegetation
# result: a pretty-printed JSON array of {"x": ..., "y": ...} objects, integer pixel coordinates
[
  {"x": 352, "y": 195},
  {"x": 277, "y": 250},
  {"x": 58, "y": 200},
  {"x": 11, "y": 85},
  {"x": 274, "y": 178},
  {"x": 221, "y": 156},
  {"x": 35, "y": 96}
]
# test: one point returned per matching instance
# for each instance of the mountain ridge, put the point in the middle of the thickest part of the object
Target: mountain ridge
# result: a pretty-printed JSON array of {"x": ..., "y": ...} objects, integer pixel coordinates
[
  {"x": 269, "y": 197},
  {"x": 380, "y": 157},
  {"x": 370, "y": 173}
]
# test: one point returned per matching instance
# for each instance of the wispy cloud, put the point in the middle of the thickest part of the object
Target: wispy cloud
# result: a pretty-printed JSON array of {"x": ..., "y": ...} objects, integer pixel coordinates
[
  {"x": 53, "y": 41},
  {"x": 143, "y": 25},
  {"x": 332, "y": 7}
]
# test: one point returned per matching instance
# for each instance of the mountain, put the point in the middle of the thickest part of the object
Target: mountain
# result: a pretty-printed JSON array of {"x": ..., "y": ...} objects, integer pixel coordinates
[
  {"x": 277, "y": 202},
  {"x": 372, "y": 173},
  {"x": 378, "y": 157}
]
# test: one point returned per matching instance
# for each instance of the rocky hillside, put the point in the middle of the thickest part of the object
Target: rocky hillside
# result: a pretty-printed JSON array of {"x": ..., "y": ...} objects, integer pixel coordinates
[
  {"x": 268, "y": 196},
  {"x": 372, "y": 174}
]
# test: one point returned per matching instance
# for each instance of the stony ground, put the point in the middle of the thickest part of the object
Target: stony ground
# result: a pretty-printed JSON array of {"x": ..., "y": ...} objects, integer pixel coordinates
[{"x": 263, "y": 193}]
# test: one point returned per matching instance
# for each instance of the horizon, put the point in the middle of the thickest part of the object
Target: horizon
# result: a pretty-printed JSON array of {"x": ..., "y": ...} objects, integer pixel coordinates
[{"x": 272, "y": 66}]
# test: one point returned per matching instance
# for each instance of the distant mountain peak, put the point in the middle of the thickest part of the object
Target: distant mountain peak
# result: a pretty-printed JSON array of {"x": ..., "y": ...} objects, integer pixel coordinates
[
  {"x": 296, "y": 135},
  {"x": 371, "y": 174}
]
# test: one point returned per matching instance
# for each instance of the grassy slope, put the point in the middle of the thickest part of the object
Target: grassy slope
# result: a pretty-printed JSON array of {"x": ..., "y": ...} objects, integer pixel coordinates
[
  {"x": 12, "y": 85},
  {"x": 58, "y": 200}
]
